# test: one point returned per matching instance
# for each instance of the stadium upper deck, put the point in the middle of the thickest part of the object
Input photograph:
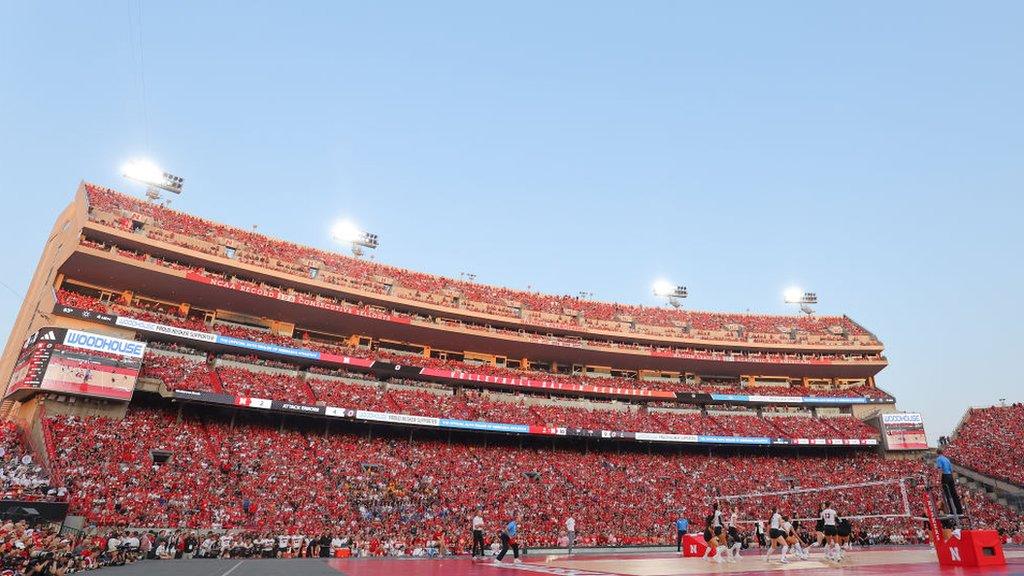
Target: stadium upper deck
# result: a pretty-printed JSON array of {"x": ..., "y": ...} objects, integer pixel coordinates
[
  {"x": 484, "y": 303},
  {"x": 125, "y": 250}
]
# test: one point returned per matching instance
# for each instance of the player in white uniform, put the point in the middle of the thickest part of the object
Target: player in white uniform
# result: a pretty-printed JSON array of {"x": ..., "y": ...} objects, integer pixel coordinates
[
  {"x": 829, "y": 517},
  {"x": 776, "y": 536},
  {"x": 733, "y": 540},
  {"x": 713, "y": 535},
  {"x": 792, "y": 538}
]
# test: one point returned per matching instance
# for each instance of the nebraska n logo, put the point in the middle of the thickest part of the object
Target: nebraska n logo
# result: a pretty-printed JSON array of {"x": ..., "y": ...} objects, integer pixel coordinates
[
  {"x": 48, "y": 336},
  {"x": 954, "y": 553}
]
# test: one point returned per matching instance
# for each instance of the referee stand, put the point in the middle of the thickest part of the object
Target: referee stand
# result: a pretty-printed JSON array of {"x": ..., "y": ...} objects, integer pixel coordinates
[{"x": 964, "y": 548}]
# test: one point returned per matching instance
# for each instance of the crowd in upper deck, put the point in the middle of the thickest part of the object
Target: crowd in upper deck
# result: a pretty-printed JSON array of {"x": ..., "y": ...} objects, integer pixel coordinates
[
  {"x": 160, "y": 223},
  {"x": 989, "y": 441},
  {"x": 171, "y": 316}
]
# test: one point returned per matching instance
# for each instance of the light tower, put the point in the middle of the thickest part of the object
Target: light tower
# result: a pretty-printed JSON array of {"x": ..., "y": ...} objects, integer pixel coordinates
[
  {"x": 673, "y": 293},
  {"x": 796, "y": 295},
  {"x": 155, "y": 178},
  {"x": 346, "y": 232}
]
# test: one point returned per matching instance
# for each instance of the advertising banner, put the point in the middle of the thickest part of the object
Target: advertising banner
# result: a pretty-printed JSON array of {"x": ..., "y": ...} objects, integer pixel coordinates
[
  {"x": 904, "y": 431},
  {"x": 78, "y": 362}
]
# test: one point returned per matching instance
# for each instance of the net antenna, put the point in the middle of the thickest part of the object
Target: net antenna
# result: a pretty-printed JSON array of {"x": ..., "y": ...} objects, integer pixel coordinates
[{"x": 791, "y": 498}]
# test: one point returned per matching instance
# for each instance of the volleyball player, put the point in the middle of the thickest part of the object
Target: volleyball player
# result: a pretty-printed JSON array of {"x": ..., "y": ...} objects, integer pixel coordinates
[
  {"x": 776, "y": 537},
  {"x": 711, "y": 539},
  {"x": 759, "y": 534},
  {"x": 830, "y": 528},
  {"x": 734, "y": 541},
  {"x": 716, "y": 519},
  {"x": 819, "y": 529},
  {"x": 793, "y": 538},
  {"x": 843, "y": 533}
]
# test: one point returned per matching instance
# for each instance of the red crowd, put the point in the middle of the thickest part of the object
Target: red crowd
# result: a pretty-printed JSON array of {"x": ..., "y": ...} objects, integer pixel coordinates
[
  {"x": 392, "y": 494},
  {"x": 158, "y": 222},
  {"x": 989, "y": 441},
  {"x": 688, "y": 352},
  {"x": 277, "y": 384},
  {"x": 179, "y": 372},
  {"x": 170, "y": 316}
]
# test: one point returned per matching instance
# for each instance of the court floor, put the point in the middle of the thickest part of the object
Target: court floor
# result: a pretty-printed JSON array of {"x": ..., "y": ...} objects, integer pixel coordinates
[{"x": 903, "y": 561}]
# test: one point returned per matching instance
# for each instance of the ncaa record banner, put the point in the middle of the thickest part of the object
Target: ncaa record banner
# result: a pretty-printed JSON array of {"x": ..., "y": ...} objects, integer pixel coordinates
[
  {"x": 904, "y": 431},
  {"x": 507, "y": 381}
]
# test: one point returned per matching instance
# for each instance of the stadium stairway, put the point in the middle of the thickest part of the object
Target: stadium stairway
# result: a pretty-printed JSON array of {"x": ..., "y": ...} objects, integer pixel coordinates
[
  {"x": 215, "y": 381},
  {"x": 1000, "y": 492},
  {"x": 308, "y": 391},
  {"x": 537, "y": 416},
  {"x": 775, "y": 425}
]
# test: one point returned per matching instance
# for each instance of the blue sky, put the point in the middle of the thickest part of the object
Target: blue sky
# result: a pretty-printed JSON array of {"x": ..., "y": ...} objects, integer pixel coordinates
[{"x": 871, "y": 151}]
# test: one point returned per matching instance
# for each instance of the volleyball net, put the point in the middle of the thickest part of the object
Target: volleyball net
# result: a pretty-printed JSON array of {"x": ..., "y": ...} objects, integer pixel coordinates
[{"x": 881, "y": 499}]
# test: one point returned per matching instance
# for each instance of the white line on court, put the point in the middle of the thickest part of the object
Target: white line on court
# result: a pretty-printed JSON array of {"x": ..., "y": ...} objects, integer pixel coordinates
[{"x": 232, "y": 569}]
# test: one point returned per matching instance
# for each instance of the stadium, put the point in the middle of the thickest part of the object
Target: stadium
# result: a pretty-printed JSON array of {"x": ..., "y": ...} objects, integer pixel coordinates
[
  {"x": 483, "y": 289},
  {"x": 179, "y": 388}
]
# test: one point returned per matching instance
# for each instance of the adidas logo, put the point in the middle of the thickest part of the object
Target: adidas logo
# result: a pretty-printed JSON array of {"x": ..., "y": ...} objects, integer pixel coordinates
[{"x": 48, "y": 336}]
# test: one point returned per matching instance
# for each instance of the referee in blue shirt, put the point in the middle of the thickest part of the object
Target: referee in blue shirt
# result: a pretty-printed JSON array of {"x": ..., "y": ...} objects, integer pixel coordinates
[
  {"x": 682, "y": 525},
  {"x": 948, "y": 484},
  {"x": 508, "y": 540}
]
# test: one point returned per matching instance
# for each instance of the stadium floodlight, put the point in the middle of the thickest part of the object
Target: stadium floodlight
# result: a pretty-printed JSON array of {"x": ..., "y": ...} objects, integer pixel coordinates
[
  {"x": 675, "y": 294},
  {"x": 346, "y": 232},
  {"x": 147, "y": 172},
  {"x": 795, "y": 295}
]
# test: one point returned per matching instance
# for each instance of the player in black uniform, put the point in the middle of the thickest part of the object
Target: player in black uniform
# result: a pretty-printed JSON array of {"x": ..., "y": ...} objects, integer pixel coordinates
[
  {"x": 711, "y": 536},
  {"x": 776, "y": 536},
  {"x": 844, "y": 530},
  {"x": 819, "y": 529}
]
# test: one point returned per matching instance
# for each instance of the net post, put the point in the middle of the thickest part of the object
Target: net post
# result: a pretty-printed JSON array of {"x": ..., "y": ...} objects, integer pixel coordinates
[{"x": 905, "y": 496}]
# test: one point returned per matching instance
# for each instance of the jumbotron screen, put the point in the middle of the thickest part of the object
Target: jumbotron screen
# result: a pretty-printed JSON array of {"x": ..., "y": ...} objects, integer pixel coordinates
[
  {"x": 78, "y": 362},
  {"x": 904, "y": 431}
]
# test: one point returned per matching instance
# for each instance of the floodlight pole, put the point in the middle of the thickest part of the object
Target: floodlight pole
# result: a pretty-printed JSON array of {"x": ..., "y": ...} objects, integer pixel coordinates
[
  {"x": 364, "y": 240},
  {"x": 154, "y": 178},
  {"x": 675, "y": 297},
  {"x": 805, "y": 301}
]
